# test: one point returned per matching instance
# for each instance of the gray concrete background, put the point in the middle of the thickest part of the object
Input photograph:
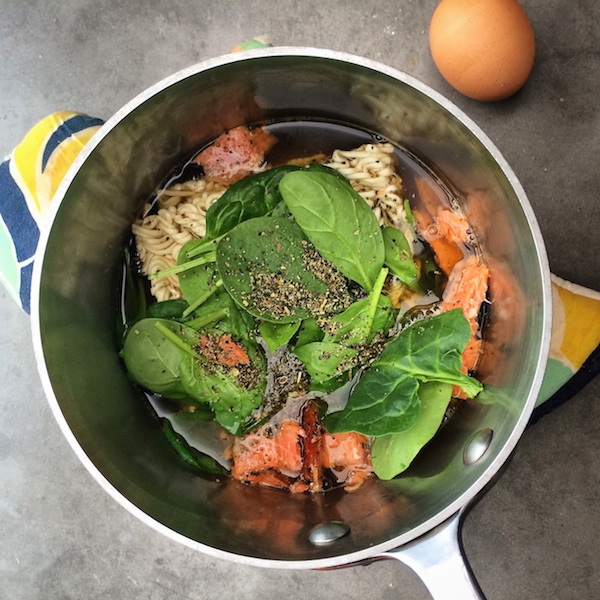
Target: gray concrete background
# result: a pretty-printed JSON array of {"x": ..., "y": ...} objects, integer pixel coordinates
[{"x": 535, "y": 534}]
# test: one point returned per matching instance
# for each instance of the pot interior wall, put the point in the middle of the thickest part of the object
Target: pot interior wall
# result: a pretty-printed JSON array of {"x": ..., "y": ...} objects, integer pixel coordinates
[{"x": 78, "y": 304}]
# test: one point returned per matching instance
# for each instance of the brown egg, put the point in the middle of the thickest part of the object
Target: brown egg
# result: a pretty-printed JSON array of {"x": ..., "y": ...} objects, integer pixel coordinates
[{"x": 483, "y": 48}]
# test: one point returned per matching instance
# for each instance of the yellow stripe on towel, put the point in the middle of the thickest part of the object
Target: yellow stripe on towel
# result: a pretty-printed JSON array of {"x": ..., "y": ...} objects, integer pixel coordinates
[
  {"x": 576, "y": 323},
  {"x": 59, "y": 163},
  {"x": 27, "y": 161},
  {"x": 37, "y": 180}
]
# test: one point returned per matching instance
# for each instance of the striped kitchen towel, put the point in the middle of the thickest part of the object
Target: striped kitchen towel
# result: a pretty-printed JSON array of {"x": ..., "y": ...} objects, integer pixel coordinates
[{"x": 29, "y": 178}]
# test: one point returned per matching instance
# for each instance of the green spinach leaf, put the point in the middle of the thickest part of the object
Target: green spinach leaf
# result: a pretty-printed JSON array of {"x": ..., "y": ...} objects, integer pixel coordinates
[
  {"x": 254, "y": 196},
  {"x": 357, "y": 324},
  {"x": 338, "y": 221},
  {"x": 398, "y": 256},
  {"x": 386, "y": 402},
  {"x": 277, "y": 334},
  {"x": 309, "y": 332},
  {"x": 221, "y": 389},
  {"x": 385, "y": 399},
  {"x": 153, "y": 361},
  {"x": 262, "y": 266},
  {"x": 198, "y": 280},
  {"x": 167, "y": 309},
  {"x": 190, "y": 455},
  {"x": 231, "y": 318},
  {"x": 325, "y": 360},
  {"x": 209, "y": 319},
  {"x": 393, "y": 453}
]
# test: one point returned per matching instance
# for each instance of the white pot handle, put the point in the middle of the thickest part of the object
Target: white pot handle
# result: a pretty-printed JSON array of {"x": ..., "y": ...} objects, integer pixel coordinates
[{"x": 437, "y": 559}]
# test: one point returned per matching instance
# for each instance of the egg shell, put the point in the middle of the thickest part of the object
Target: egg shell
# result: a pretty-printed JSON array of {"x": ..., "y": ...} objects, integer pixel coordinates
[{"x": 483, "y": 48}]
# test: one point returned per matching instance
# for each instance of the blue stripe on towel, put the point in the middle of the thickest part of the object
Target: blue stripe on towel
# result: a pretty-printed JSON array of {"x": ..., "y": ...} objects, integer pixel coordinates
[
  {"x": 65, "y": 131},
  {"x": 25, "y": 289},
  {"x": 15, "y": 213}
]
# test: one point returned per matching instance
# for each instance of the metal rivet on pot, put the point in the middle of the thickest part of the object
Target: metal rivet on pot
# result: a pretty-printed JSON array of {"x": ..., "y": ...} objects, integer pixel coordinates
[
  {"x": 477, "y": 446},
  {"x": 327, "y": 533}
]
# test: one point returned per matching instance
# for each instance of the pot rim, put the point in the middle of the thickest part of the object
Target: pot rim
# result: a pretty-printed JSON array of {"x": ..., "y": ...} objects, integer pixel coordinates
[{"x": 503, "y": 454}]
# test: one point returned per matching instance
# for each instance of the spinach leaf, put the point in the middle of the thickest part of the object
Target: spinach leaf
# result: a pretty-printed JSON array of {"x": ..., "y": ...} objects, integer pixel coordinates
[
  {"x": 198, "y": 280},
  {"x": 190, "y": 455},
  {"x": 254, "y": 196},
  {"x": 167, "y": 309},
  {"x": 229, "y": 318},
  {"x": 325, "y": 360},
  {"x": 262, "y": 266},
  {"x": 208, "y": 319},
  {"x": 153, "y": 361},
  {"x": 281, "y": 211},
  {"x": 196, "y": 248},
  {"x": 356, "y": 325},
  {"x": 221, "y": 390},
  {"x": 398, "y": 255},
  {"x": 393, "y": 453},
  {"x": 338, "y": 221},
  {"x": 309, "y": 332},
  {"x": 277, "y": 334},
  {"x": 385, "y": 400}
]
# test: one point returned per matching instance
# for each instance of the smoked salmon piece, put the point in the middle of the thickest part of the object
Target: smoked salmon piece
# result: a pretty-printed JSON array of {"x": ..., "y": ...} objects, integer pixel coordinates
[
  {"x": 223, "y": 350},
  {"x": 312, "y": 447},
  {"x": 348, "y": 455},
  {"x": 346, "y": 449},
  {"x": 467, "y": 289},
  {"x": 445, "y": 230},
  {"x": 264, "y": 452},
  {"x": 471, "y": 354},
  {"x": 450, "y": 236},
  {"x": 294, "y": 455},
  {"x": 447, "y": 234},
  {"x": 235, "y": 154}
]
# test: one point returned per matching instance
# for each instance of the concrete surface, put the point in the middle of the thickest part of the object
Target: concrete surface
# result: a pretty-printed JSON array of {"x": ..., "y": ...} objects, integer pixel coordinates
[{"x": 535, "y": 534}]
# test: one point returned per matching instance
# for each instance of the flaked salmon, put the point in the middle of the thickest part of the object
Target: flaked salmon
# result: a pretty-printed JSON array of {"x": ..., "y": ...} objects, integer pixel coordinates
[
  {"x": 294, "y": 455},
  {"x": 235, "y": 154},
  {"x": 467, "y": 289}
]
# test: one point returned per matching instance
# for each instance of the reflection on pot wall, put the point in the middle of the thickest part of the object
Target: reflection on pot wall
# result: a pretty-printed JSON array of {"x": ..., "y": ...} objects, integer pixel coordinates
[{"x": 282, "y": 522}]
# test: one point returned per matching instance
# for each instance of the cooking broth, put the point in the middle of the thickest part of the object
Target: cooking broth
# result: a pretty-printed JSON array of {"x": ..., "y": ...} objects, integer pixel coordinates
[{"x": 296, "y": 139}]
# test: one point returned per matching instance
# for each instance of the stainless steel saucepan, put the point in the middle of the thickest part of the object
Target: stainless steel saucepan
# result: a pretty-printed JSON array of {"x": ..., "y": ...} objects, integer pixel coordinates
[{"x": 415, "y": 517}]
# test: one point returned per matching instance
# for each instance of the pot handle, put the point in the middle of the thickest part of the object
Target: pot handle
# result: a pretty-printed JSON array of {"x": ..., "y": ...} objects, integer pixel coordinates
[{"x": 437, "y": 559}]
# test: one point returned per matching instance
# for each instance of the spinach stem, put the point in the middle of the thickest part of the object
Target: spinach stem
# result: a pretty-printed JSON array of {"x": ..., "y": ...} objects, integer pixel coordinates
[
  {"x": 202, "y": 260},
  {"x": 212, "y": 317},
  {"x": 203, "y": 247},
  {"x": 175, "y": 339},
  {"x": 377, "y": 287},
  {"x": 374, "y": 301},
  {"x": 202, "y": 298}
]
